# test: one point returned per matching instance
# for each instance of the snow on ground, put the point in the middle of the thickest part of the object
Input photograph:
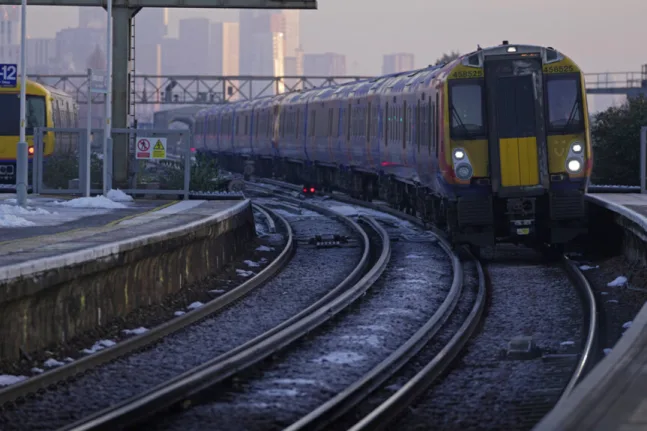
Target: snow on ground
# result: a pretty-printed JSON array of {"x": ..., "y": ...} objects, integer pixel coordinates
[
  {"x": 136, "y": 331},
  {"x": 251, "y": 263},
  {"x": 587, "y": 267},
  {"x": 353, "y": 211},
  {"x": 119, "y": 196},
  {"x": 244, "y": 273},
  {"x": 618, "y": 282},
  {"x": 8, "y": 379},
  {"x": 12, "y": 215},
  {"x": 264, "y": 248},
  {"x": 93, "y": 202},
  {"x": 99, "y": 345},
  {"x": 195, "y": 305}
]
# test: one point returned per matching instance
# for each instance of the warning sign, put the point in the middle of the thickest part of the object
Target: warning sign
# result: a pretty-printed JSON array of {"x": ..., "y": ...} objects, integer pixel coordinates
[
  {"x": 143, "y": 148},
  {"x": 159, "y": 150}
]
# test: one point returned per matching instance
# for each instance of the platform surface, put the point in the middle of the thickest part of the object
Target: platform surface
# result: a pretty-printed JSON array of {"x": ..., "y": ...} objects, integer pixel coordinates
[{"x": 59, "y": 226}]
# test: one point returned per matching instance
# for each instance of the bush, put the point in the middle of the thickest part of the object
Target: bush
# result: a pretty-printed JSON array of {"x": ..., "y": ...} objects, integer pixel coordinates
[
  {"x": 205, "y": 175},
  {"x": 60, "y": 168},
  {"x": 616, "y": 143}
]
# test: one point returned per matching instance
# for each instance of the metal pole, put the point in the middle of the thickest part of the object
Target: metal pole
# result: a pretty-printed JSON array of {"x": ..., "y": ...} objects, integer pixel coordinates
[
  {"x": 86, "y": 185},
  {"x": 643, "y": 156},
  {"x": 107, "y": 138},
  {"x": 22, "y": 155}
]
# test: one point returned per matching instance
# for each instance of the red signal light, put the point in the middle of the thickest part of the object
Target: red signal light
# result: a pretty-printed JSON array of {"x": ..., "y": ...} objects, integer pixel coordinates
[
  {"x": 305, "y": 190},
  {"x": 193, "y": 150},
  {"x": 312, "y": 189}
]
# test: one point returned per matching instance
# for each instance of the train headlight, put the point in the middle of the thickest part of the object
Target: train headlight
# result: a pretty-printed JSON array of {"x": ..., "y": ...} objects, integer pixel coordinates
[
  {"x": 464, "y": 171},
  {"x": 459, "y": 154},
  {"x": 577, "y": 147},
  {"x": 573, "y": 166}
]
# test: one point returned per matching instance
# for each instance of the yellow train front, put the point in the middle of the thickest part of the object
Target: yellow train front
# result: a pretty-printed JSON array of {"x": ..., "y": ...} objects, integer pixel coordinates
[
  {"x": 46, "y": 107},
  {"x": 517, "y": 146}
]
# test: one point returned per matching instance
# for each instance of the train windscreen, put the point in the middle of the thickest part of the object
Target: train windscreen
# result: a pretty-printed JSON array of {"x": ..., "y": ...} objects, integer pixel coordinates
[
  {"x": 466, "y": 104},
  {"x": 10, "y": 114},
  {"x": 564, "y": 102}
]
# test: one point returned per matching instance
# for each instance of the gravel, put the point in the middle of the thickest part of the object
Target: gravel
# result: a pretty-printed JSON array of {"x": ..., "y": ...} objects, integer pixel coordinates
[
  {"x": 262, "y": 250},
  {"x": 308, "y": 276},
  {"x": 618, "y": 305},
  {"x": 425, "y": 356},
  {"x": 277, "y": 394},
  {"x": 486, "y": 390}
]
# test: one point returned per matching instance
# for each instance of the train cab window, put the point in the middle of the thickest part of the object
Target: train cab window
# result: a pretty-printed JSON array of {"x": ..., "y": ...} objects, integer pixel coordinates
[
  {"x": 466, "y": 110},
  {"x": 564, "y": 104},
  {"x": 10, "y": 114}
]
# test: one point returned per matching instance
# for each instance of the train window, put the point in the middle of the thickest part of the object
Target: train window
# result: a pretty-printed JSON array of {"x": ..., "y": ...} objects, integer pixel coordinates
[
  {"x": 368, "y": 121},
  {"x": 256, "y": 124},
  {"x": 330, "y": 117},
  {"x": 405, "y": 125},
  {"x": 237, "y": 124},
  {"x": 564, "y": 104},
  {"x": 10, "y": 114},
  {"x": 431, "y": 119},
  {"x": 418, "y": 128},
  {"x": 313, "y": 118},
  {"x": 348, "y": 122},
  {"x": 515, "y": 107},
  {"x": 246, "y": 125},
  {"x": 466, "y": 110},
  {"x": 436, "y": 129},
  {"x": 386, "y": 124}
]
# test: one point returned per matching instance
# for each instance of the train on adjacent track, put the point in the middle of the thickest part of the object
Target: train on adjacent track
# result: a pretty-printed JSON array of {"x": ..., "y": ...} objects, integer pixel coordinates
[
  {"x": 491, "y": 147},
  {"x": 45, "y": 107}
]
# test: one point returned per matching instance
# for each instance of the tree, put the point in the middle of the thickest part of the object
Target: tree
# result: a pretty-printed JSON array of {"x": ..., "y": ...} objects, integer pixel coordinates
[
  {"x": 97, "y": 60},
  {"x": 616, "y": 143},
  {"x": 446, "y": 58}
]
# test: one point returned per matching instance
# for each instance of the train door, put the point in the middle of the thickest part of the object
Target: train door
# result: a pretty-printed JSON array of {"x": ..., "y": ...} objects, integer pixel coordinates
[{"x": 515, "y": 118}]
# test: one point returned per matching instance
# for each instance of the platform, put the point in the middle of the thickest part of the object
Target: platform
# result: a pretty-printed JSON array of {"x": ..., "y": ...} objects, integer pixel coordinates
[
  {"x": 74, "y": 268},
  {"x": 613, "y": 396},
  {"x": 74, "y": 228}
]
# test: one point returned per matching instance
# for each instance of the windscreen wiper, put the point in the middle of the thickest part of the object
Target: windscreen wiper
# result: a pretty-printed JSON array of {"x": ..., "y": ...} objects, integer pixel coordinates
[
  {"x": 460, "y": 122},
  {"x": 571, "y": 117}
]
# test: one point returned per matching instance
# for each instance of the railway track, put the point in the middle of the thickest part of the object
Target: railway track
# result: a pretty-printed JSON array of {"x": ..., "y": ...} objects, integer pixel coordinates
[
  {"x": 67, "y": 394},
  {"x": 552, "y": 369}
]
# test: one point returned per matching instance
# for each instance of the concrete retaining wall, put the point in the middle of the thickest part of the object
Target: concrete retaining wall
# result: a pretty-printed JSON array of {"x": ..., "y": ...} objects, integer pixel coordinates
[{"x": 58, "y": 303}]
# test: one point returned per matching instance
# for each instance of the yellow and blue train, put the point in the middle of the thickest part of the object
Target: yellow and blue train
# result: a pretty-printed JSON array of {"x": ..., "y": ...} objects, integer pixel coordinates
[
  {"x": 46, "y": 107},
  {"x": 492, "y": 147}
]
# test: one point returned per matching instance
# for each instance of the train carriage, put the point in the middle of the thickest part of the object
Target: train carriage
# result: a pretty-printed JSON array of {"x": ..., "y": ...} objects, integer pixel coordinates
[
  {"x": 492, "y": 147},
  {"x": 46, "y": 107}
]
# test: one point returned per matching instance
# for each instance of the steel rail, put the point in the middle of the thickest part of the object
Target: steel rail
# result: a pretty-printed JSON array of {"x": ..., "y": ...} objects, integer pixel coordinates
[{"x": 193, "y": 382}]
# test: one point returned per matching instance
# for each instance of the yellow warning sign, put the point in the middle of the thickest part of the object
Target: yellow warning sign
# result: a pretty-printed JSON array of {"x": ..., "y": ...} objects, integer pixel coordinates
[{"x": 159, "y": 149}]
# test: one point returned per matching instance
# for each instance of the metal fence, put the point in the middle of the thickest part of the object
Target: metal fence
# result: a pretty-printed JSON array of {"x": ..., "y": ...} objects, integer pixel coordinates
[{"x": 159, "y": 161}]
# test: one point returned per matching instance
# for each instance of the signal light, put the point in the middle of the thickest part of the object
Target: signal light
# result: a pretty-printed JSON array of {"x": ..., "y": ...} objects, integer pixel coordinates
[
  {"x": 31, "y": 150},
  {"x": 305, "y": 190},
  {"x": 312, "y": 189},
  {"x": 193, "y": 150}
]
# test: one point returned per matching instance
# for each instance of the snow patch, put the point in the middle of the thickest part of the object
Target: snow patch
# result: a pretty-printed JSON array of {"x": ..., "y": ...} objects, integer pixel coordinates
[
  {"x": 37, "y": 370},
  {"x": 52, "y": 363},
  {"x": 607, "y": 351},
  {"x": 94, "y": 202},
  {"x": 627, "y": 325},
  {"x": 119, "y": 196},
  {"x": 195, "y": 305},
  {"x": 8, "y": 379},
  {"x": 612, "y": 301},
  {"x": 618, "y": 282},
  {"x": 264, "y": 248},
  {"x": 136, "y": 331},
  {"x": 567, "y": 343},
  {"x": 244, "y": 273},
  {"x": 371, "y": 340},
  {"x": 179, "y": 313},
  {"x": 414, "y": 256},
  {"x": 99, "y": 345},
  {"x": 251, "y": 263},
  {"x": 587, "y": 267},
  {"x": 280, "y": 392},
  {"x": 217, "y": 291},
  {"x": 340, "y": 358}
]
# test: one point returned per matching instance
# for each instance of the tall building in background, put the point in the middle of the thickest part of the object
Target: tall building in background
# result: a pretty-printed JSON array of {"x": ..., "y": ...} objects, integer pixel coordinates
[
  {"x": 194, "y": 37},
  {"x": 396, "y": 63},
  {"x": 150, "y": 29},
  {"x": 41, "y": 56},
  {"x": 256, "y": 47},
  {"x": 327, "y": 64},
  {"x": 92, "y": 17},
  {"x": 224, "y": 54},
  {"x": 9, "y": 34}
]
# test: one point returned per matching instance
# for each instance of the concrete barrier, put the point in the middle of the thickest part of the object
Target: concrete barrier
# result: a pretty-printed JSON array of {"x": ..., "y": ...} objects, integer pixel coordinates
[{"x": 53, "y": 299}]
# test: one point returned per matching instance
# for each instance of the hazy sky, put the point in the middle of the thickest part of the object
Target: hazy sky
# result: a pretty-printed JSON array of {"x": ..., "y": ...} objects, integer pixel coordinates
[{"x": 600, "y": 35}]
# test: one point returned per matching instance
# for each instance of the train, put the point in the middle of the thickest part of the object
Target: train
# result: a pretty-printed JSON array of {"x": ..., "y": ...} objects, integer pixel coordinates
[
  {"x": 46, "y": 107},
  {"x": 491, "y": 147}
]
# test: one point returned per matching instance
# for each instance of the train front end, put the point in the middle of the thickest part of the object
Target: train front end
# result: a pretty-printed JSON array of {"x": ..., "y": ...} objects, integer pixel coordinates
[{"x": 519, "y": 146}]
